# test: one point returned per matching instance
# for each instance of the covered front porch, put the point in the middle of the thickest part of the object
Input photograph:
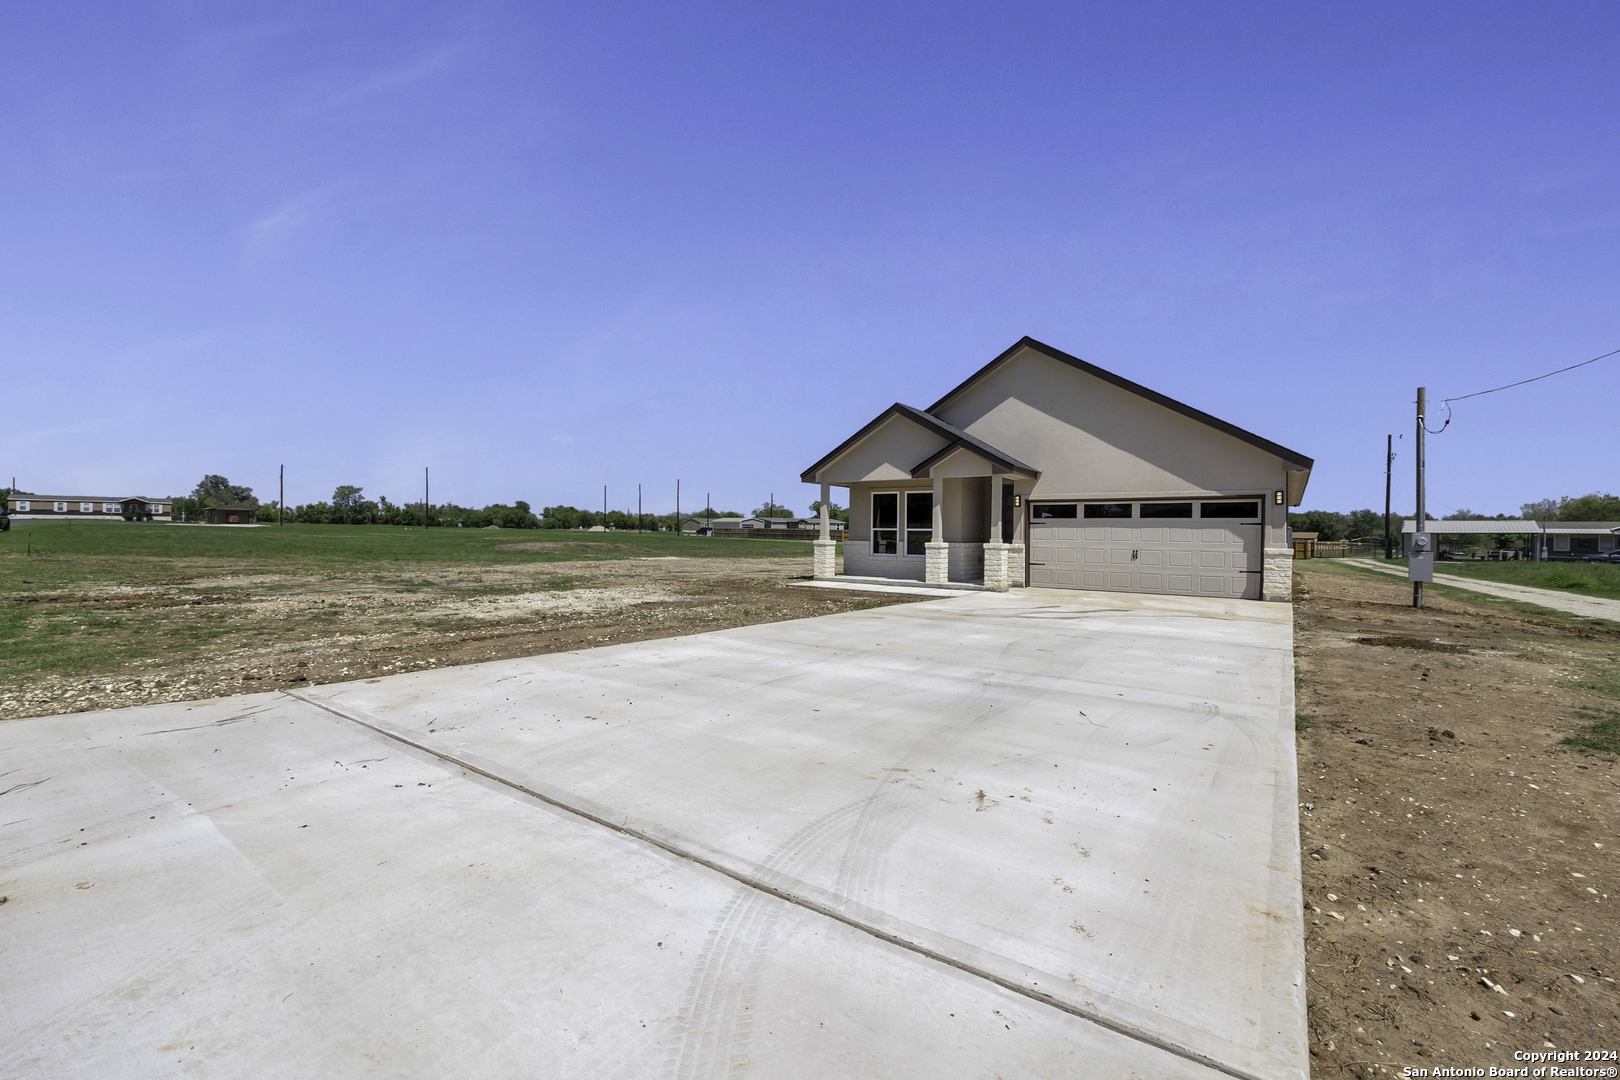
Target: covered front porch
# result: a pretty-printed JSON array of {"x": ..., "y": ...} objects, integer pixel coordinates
[{"x": 927, "y": 503}]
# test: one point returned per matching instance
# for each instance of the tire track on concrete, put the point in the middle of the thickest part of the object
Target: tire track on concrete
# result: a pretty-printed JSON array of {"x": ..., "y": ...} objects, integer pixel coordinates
[{"x": 719, "y": 1010}]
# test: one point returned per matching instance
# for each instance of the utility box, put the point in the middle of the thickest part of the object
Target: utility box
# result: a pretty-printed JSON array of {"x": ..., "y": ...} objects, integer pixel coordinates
[{"x": 1420, "y": 563}]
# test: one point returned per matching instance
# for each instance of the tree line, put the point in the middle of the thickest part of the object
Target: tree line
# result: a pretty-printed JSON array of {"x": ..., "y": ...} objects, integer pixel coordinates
[
  {"x": 350, "y": 506},
  {"x": 1369, "y": 524}
]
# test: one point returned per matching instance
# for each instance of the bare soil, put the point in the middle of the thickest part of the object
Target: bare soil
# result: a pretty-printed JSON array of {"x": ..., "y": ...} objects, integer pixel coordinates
[
  {"x": 286, "y": 632},
  {"x": 1459, "y": 862}
]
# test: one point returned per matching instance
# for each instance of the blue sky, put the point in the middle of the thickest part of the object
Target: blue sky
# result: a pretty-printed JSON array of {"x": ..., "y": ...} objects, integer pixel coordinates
[{"x": 542, "y": 248}]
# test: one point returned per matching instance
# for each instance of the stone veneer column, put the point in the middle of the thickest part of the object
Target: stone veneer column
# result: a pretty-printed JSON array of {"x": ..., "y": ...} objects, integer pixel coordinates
[
  {"x": 825, "y": 564},
  {"x": 936, "y": 562},
  {"x": 996, "y": 577},
  {"x": 1277, "y": 575},
  {"x": 1015, "y": 566}
]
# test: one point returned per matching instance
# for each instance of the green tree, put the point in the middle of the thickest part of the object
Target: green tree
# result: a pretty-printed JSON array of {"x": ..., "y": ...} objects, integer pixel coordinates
[
  {"x": 346, "y": 504},
  {"x": 1594, "y": 507},
  {"x": 214, "y": 490},
  {"x": 1327, "y": 524},
  {"x": 771, "y": 509},
  {"x": 834, "y": 511}
]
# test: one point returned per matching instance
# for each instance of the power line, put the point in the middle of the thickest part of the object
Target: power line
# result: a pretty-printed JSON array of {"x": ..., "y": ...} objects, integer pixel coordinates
[{"x": 1522, "y": 382}]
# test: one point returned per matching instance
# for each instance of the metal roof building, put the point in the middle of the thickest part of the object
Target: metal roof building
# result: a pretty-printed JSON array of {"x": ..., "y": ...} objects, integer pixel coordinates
[{"x": 1550, "y": 539}]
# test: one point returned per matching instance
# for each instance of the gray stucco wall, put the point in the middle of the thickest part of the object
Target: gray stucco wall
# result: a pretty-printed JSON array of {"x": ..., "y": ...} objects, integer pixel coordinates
[{"x": 1092, "y": 439}]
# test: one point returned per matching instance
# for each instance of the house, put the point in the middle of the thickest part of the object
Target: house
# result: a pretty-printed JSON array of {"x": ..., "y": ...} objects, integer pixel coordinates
[
  {"x": 47, "y": 507},
  {"x": 230, "y": 515},
  {"x": 767, "y": 523},
  {"x": 1044, "y": 469},
  {"x": 1545, "y": 540},
  {"x": 697, "y": 522}
]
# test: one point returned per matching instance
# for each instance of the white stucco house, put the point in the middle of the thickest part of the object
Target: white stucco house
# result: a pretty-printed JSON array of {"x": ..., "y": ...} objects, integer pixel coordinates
[{"x": 1043, "y": 469}]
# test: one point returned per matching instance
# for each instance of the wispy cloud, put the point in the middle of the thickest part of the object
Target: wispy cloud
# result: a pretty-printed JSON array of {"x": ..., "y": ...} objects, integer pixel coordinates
[
  {"x": 270, "y": 234},
  {"x": 397, "y": 78}
]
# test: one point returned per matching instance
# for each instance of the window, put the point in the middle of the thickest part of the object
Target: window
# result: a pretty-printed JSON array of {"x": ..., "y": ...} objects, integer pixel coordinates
[
  {"x": 1229, "y": 510},
  {"x": 886, "y": 523},
  {"x": 87, "y": 508},
  {"x": 1048, "y": 511},
  {"x": 1108, "y": 510},
  {"x": 109, "y": 508},
  {"x": 61, "y": 508},
  {"x": 1167, "y": 510},
  {"x": 919, "y": 521},
  {"x": 24, "y": 506}
]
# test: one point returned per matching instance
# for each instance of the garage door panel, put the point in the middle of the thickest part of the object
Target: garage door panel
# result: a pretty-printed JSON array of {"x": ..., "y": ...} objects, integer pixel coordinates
[{"x": 1218, "y": 560}]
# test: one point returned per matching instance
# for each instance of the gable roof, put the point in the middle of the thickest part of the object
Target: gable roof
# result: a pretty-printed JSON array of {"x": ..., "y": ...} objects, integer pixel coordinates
[
  {"x": 1124, "y": 384},
  {"x": 953, "y": 434}
]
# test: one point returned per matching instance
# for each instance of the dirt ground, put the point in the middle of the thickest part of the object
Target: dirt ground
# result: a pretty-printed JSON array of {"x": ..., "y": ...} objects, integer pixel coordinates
[
  {"x": 1459, "y": 870},
  {"x": 290, "y": 633}
]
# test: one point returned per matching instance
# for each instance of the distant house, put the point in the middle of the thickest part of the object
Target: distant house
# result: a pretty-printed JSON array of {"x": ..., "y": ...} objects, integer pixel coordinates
[
  {"x": 1545, "y": 540},
  {"x": 771, "y": 523},
  {"x": 230, "y": 515},
  {"x": 47, "y": 507},
  {"x": 693, "y": 523}
]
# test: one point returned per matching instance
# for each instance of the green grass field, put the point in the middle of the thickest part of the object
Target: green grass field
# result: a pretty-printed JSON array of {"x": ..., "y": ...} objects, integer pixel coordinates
[
  {"x": 191, "y": 590},
  {"x": 1585, "y": 579},
  {"x": 43, "y": 554}
]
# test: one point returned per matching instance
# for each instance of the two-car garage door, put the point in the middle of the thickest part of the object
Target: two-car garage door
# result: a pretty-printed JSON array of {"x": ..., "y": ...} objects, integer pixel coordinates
[{"x": 1198, "y": 557}]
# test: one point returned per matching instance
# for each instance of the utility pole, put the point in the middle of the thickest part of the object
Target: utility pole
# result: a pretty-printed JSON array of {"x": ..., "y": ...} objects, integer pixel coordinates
[
  {"x": 281, "y": 503},
  {"x": 638, "y": 508},
  {"x": 425, "y": 503},
  {"x": 1420, "y": 562},
  {"x": 1389, "y": 464},
  {"x": 708, "y": 510},
  {"x": 677, "y": 506},
  {"x": 604, "y": 508}
]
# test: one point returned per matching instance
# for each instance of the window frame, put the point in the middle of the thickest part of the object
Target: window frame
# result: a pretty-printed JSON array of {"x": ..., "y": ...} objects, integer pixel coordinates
[
  {"x": 1086, "y": 507},
  {"x": 24, "y": 506},
  {"x": 60, "y": 507},
  {"x": 893, "y": 531},
  {"x": 1035, "y": 506},
  {"x": 1142, "y": 508},
  {"x": 927, "y": 530}
]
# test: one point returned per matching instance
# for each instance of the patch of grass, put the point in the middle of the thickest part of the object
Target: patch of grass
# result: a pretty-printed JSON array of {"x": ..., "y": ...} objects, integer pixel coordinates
[
  {"x": 1303, "y": 722},
  {"x": 1602, "y": 732},
  {"x": 1600, "y": 736},
  {"x": 1465, "y": 596},
  {"x": 150, "y": 552},
  {"x": 1586, "y": 579}
]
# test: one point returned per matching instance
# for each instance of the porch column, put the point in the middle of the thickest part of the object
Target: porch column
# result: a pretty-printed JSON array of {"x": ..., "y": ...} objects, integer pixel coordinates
[
  {"x": 937, "y": 553},
  {"x": 825, "y": 559},
  {"x": 995, "y": 552}
]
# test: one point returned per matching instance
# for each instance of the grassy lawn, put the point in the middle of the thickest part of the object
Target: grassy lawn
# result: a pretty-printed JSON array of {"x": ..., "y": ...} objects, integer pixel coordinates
[
  {"x": 67, "y": 553},
  {"x": 78, "y": 598},
  {"x": 1468, "y": 596},
  {"x": 1586, "y": 579}
]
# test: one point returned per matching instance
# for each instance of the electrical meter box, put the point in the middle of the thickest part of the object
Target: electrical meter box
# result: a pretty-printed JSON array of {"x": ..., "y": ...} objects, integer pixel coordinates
[{"x": 1420, "y": 562}]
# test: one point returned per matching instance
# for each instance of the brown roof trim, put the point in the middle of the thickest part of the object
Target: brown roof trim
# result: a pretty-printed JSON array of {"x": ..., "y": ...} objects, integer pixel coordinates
[
  {"x": 932, "y": 423},
  {"x": 1136, "y": 388}
]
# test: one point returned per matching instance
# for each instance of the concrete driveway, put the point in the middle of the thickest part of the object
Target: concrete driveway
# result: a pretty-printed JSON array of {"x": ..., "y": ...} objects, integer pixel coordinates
[{"x": 1034, "y": 834}]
